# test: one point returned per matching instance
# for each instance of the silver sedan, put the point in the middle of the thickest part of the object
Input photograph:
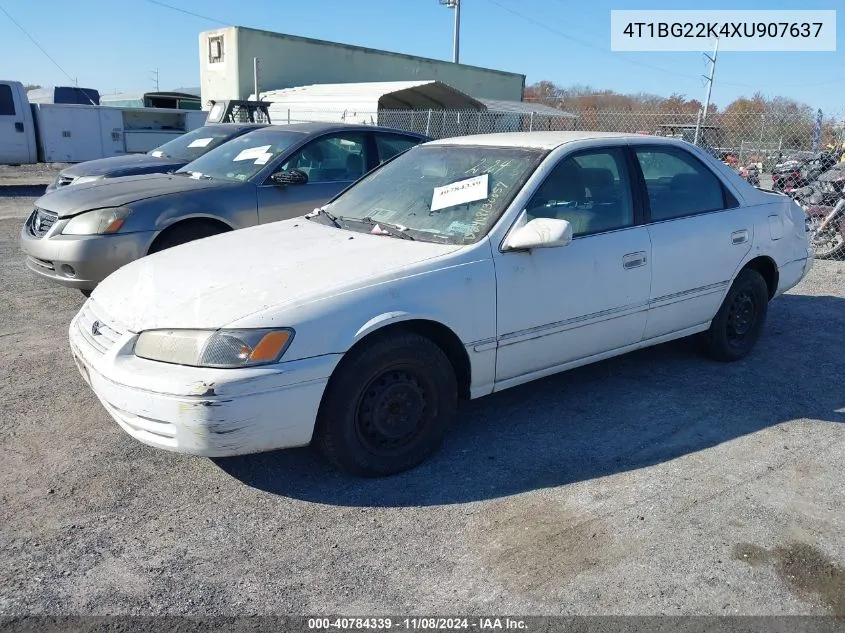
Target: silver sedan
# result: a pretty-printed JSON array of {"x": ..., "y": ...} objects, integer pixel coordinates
[{"x": 77, "y": 236}]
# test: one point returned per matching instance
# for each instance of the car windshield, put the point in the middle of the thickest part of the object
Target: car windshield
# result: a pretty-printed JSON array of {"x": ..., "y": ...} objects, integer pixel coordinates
[
  {"x": 195, "y": 143},
  {"x": 444, "y": 193},
  {"x": 242, "y": 157}
]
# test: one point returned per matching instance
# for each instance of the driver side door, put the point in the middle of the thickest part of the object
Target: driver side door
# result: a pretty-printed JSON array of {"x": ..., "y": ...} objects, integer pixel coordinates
[{"x": 332, "y": 162}]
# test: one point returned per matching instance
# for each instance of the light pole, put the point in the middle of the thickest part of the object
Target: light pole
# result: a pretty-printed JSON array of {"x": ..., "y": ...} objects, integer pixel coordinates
[{"x": 456, "y": 5}]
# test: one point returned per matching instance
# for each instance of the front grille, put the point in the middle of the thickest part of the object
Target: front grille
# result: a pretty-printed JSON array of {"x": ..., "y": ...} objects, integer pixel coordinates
[
  {"x": 101, "y": 333},
  {"x": 40, "y": 222}
]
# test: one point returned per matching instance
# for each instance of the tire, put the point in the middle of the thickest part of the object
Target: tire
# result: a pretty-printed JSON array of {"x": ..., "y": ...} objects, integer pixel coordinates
[
  {"x": 370, "y": 397},
  {"x": 86, "y": 292},
  {"x": 184, "y": 232},
  {"x": 739, "y": 321}
]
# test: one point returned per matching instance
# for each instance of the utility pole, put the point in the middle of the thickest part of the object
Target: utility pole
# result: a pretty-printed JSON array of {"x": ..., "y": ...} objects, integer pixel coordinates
[
  {"x": 255, "y": 77},
  {"x": 709, "y": 79},
  {"x": 155, "y": 78},
  {"x": 456, "y": 5}
]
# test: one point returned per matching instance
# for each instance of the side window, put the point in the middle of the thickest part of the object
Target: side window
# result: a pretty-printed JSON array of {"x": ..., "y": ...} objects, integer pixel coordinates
[
  {"x": 7, "y": 102},
  {"x": 391, "y": 144},
  {"x": 591, "y": 190},
  {"x": 334, "y": 158},
  {"x": 678, "y": 184}
]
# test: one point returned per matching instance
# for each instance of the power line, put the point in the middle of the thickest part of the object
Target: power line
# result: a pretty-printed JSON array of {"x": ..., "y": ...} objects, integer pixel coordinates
[
  {"x": 587, "y": 44},
  {"x": 41, "y": 48},
  {"x": 186, "y": 12}
]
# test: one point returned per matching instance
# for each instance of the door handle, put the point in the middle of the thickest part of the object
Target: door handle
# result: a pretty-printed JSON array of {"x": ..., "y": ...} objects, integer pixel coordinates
[
  {"x": 739, "y": 237},
  {"x": 634, "y": 260},
  {"x": 18, "y": 126}
]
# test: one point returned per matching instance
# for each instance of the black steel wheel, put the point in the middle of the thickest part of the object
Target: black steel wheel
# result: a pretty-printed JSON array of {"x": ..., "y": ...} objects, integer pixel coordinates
[
  {"x": 737, "y": 325},
  {"x": 387, "y": 406}
]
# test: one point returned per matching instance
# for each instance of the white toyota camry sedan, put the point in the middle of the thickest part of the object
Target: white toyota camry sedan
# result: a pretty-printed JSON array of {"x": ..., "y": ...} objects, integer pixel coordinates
[{"x": 462, "y": 267}]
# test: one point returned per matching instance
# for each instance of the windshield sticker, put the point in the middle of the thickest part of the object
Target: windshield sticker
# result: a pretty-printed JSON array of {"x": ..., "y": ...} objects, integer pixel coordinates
[
  {"x": 461, "y": 192},
  {"x": 157, "y": 153},
  {"x": 464, "y": 228},
  {"x": 263, "y": 159},
  {"x": 383, "y": 214},
  {"x": 201, "y": 142},
  {"x": 252, "y": 153}
]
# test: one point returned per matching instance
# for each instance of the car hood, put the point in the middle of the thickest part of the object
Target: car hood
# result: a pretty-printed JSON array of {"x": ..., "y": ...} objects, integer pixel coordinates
[
  {"x": 116, "y": 192},
  {"x": 123, "y": 166},
  {"x": 215, "y": 281}
]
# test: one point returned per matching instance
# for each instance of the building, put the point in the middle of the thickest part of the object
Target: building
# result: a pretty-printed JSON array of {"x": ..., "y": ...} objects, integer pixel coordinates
[
  {"x": 285, "y": 61},
  {"x": 427, "y": 107}
]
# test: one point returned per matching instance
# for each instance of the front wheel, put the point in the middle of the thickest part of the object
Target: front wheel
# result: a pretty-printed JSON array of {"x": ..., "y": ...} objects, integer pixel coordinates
[
  {"x": 827, "y": 243},
  {"x": 737, "y": 325},
  {"x": 387, "y": 406}
]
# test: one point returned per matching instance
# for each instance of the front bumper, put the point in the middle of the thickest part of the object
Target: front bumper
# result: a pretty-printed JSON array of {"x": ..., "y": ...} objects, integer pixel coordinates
[
  {"x": 81, "y": 261},
  {"x": 198, "y": 411}
]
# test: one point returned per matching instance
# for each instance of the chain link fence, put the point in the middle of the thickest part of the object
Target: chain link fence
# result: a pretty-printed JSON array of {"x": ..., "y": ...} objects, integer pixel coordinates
[{"x": 797, "y": 152}]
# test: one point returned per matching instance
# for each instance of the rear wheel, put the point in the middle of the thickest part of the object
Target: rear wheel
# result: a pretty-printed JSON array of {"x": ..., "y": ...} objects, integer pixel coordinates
[
  {"x": 387, "y": 406},
  {"x": 184, "y": 232},
  {"x": 738, "y": 323}
]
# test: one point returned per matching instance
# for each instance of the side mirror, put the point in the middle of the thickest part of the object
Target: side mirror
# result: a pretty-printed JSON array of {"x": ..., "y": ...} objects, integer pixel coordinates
[
  {"x": 540, "y": 233},
  {"x": 289, "y": 177}
]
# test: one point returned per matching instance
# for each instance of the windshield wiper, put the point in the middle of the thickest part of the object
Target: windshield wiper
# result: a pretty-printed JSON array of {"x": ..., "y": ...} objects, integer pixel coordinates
[
  {"x": 321, "y": 212},
  {"x": 391, "y": 229}
]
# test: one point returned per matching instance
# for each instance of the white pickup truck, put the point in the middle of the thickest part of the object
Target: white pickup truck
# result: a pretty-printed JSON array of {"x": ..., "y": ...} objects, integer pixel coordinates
[{"x": 71, "y": 133}]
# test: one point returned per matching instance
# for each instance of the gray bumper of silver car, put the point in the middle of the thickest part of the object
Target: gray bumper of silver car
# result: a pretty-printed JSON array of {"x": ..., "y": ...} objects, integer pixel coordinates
[{"x": 81, "y": 261}]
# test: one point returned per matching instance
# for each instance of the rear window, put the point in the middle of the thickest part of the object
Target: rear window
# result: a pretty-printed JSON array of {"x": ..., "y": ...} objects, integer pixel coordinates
[{"x": 7, "y": 102}]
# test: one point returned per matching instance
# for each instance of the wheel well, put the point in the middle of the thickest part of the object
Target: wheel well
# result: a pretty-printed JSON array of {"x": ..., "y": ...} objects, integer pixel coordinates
[
  {"x": 441, "y": 336},
  {"x": 190, "y": 222},
  {"x": 768, "y": 270}
]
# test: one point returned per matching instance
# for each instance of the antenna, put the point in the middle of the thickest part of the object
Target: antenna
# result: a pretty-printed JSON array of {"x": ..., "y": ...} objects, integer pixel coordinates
[
  {"x": 709, "y": 78},
  {"x": 456, "y": 5},
  {"x": 155, "y": 78}
]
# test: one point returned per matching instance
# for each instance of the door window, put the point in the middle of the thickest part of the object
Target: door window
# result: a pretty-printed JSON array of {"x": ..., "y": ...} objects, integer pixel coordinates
[
  {"x": 391, "y": 144},
  {"x": 678, "y": 184},
  {"x": 334, "y": 158},
  {"x": 591, "y": 190},
  {"x": 7, "y": 102}
]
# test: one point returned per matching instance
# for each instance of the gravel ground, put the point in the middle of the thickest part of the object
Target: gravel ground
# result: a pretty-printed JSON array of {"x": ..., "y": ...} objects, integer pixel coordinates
[{"x": 655, "y": 483}]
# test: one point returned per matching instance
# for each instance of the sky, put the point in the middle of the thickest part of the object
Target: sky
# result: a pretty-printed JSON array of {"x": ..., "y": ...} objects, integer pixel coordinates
[{"x": 116, "y": 45}]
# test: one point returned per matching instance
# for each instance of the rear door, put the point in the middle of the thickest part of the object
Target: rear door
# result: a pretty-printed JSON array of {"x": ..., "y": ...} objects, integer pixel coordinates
[
  {"x": 389, "y": 145},
  {"x": 699, "y": 236},
  {"x": 14, "y": 137},
  {"x": 332, "y": 162}
]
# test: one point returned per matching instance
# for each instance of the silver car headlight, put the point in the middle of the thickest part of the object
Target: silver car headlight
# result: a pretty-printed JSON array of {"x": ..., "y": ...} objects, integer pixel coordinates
[
  {"x": 99, "y": 222},
  {"x": 223, "y": 349},
  {"x": 83, "y": 179}
]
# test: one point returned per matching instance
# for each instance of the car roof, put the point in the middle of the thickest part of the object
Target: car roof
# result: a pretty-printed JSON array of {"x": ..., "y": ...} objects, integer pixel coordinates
[
  {"x": 544, "y": 140},
  {"x": 321, "y": 127},
  {"x": 235, "y": 126}
]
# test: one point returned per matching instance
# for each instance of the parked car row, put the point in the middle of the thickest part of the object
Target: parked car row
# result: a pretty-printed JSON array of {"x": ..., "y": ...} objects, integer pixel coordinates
[
  {"x": 356, "y": 316},
  {"x": 219, "y": 178}
]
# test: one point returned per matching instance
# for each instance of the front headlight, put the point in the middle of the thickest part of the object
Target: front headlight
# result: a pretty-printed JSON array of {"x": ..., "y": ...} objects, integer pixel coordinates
[
  {"x": 83, "y": 179},
  {"x": 99, "y": 222},
  {"x": 224, "y": 349}
]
